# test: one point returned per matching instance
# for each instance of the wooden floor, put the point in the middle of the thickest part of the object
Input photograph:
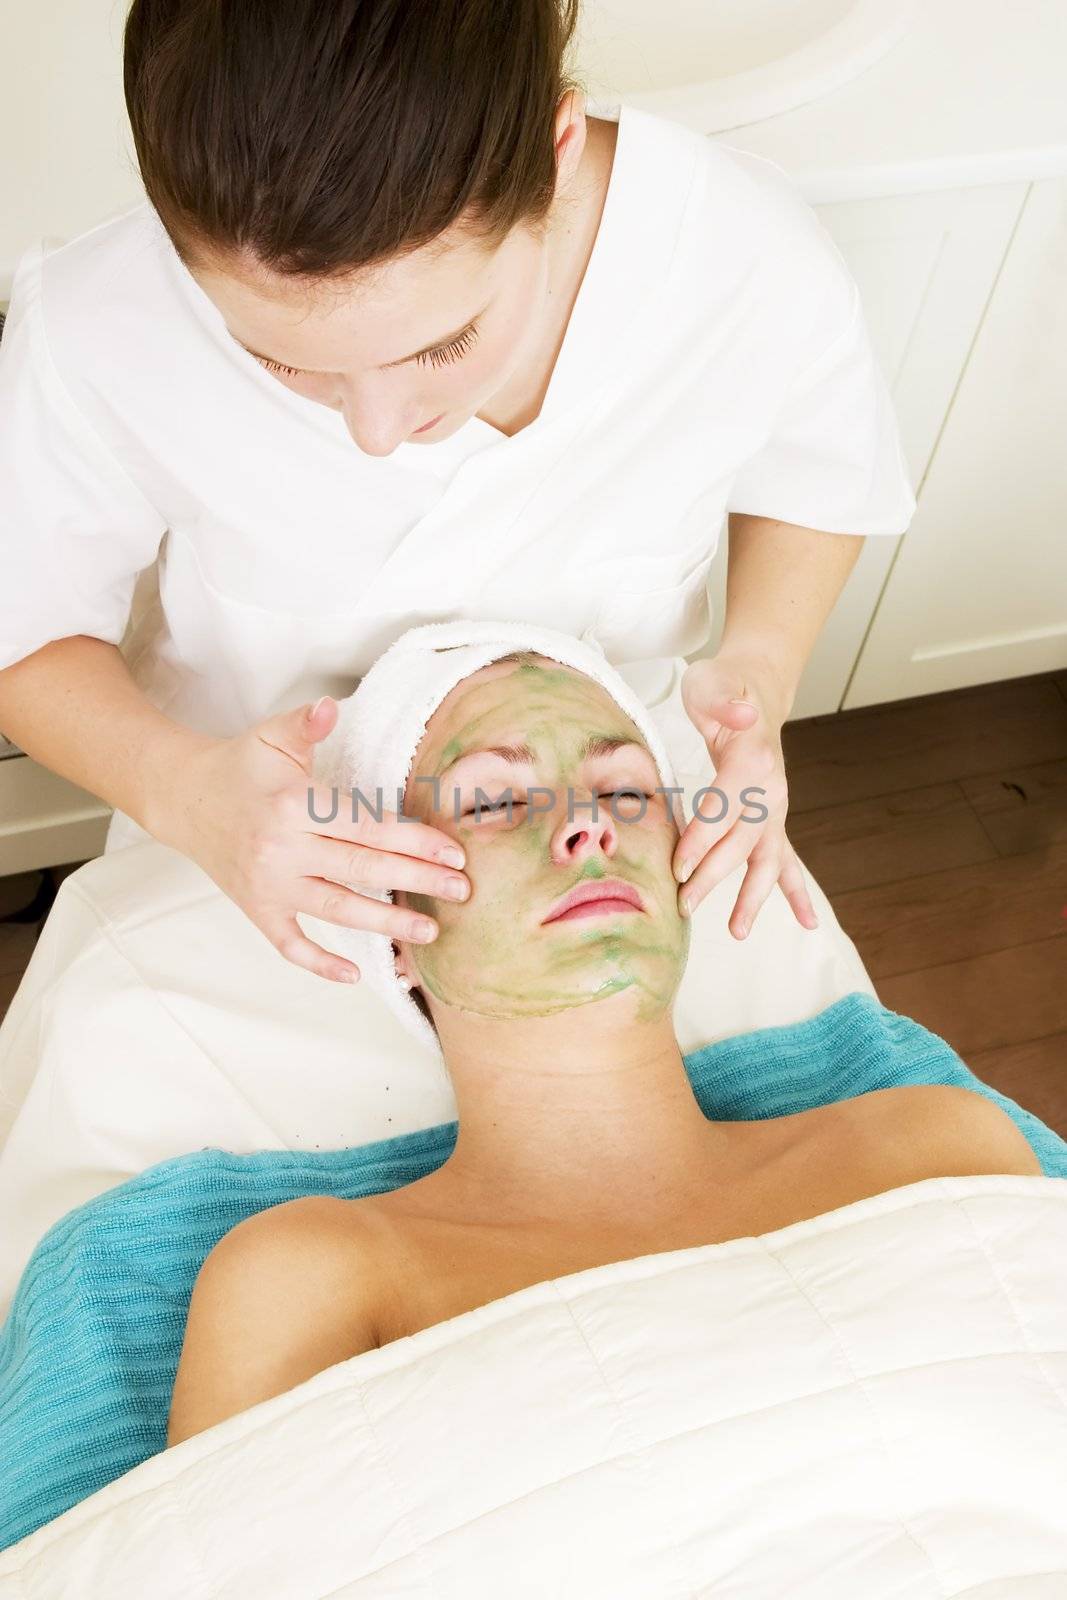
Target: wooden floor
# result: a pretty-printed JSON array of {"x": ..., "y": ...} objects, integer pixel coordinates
[{"x": 938, "y": 828}]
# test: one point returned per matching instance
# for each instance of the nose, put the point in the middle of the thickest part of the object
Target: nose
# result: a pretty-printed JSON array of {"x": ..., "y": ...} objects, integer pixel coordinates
[
  {"x": 375, "y": 425},
  {"x": 380, "y": 437},
  {"x": 577, "y": 838}
]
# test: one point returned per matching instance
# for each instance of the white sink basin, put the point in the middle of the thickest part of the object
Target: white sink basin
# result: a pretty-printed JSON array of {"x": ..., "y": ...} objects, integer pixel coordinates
[{"x": 719, "y": 64}]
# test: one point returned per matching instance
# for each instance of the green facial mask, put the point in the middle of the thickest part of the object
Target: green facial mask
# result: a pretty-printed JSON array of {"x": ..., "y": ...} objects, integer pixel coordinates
[{"x": 493, "y": 955}]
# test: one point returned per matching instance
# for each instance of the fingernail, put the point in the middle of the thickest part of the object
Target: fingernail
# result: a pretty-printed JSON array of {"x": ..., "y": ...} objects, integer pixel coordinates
[
  {"x": 424, "y": 932},
  {"x": 457, "y": 889},
  {"x": 742, "y": 928},
  {"x": 349, "y": 977},
  {"x": 452, "y": 856},
  {"x": 686, "y": 904},
  {"x": 684, "y": 871},
  {"x": 315, "y": 707}
]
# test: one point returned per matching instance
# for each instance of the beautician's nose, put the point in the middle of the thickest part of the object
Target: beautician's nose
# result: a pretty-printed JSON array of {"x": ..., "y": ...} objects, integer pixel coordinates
[
  {"x": 374, "y": 439},
  {"x": 375, "y": 421},
  {"x": 583, "y": 835}
]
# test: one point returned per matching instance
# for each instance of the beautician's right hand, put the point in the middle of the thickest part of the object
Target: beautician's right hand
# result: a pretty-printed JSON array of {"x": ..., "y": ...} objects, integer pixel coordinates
[{"x": 240, "y": 809}]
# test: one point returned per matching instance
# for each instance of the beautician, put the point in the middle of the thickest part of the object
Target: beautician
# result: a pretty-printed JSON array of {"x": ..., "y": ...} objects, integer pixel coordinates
[{"x": 404, "y": 333}]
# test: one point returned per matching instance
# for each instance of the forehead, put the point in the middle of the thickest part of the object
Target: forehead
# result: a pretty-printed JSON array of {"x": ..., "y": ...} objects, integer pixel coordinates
[
  {"x": 506, "y": 696},
  {"x": 428, "y": 282}
]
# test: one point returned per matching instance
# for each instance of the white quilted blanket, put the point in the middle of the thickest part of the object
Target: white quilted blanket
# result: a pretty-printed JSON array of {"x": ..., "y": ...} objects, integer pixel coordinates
[{"x": 871, "y": 1405}]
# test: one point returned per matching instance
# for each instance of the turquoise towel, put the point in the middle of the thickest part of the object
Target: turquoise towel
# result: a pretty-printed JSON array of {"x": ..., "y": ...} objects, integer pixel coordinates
[{"x": 90, "y": 1348}]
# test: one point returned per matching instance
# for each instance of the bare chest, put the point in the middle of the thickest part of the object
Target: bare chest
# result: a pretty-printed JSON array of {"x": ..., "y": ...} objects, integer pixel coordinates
[{"x": 430, "y": 1270}]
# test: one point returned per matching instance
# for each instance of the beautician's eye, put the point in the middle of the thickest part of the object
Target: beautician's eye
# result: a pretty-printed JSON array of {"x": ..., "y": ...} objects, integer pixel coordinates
[
  {"x": 451, "y": 352},
  {"x": 276, "y": 366},
  {"x": 438, "y": 357}
]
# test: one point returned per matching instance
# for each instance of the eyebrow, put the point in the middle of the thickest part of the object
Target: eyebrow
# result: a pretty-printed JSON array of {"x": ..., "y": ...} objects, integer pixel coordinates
[
  {"x": 438, "y": 344},
  {"x": 595, "y": 745}
]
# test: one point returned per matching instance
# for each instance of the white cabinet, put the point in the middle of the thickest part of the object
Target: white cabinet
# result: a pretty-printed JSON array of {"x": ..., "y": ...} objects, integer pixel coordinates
[
  {"x": 978, "y": 590},
  {"x": 44, "y": 820},
  {"x": 926, "y": 265}
]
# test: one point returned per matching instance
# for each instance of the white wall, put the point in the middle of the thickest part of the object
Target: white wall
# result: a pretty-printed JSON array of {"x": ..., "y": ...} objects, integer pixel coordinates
[{"x": 66, "y": 156}]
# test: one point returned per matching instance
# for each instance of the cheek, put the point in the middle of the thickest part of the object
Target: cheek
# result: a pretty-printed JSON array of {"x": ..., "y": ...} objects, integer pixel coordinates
[
  {"x": 504, "y": 873},
  {"x": 516, "y": 316},
  {"x": 649, "y": 836},
  {"x": 317, "y": 389}
]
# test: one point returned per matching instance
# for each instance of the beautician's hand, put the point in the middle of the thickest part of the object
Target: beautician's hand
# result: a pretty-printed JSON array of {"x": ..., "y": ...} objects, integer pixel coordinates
[
  {"x": 240, "y": 809},
  {"x": 740, "y": 715}
]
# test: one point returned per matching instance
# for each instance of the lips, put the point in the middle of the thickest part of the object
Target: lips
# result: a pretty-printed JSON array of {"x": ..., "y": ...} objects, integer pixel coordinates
[{"x": 602, "y": 896}]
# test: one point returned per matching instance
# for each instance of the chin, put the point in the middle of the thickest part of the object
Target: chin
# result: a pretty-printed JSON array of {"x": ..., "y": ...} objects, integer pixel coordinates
[{"x": 620, "y": 995}]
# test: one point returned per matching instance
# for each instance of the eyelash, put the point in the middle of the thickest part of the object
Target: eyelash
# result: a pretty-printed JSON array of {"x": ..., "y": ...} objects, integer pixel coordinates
[
  {"x": 499, "y": 807},
  {"x": 439, "y": 357},
  {"x": 451, "y": 352}
]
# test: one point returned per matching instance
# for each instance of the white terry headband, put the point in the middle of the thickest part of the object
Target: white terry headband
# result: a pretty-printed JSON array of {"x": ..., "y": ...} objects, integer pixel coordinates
[{"x": 378, "y": 731}]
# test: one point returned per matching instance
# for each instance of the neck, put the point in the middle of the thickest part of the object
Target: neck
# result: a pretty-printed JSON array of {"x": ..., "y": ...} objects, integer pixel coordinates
[
  {"x": 518, "y": 401},
  {"x": 583, "y": 1118}
]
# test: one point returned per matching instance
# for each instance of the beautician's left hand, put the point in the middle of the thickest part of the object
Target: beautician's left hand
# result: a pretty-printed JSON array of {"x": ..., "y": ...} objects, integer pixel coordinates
[{"x": 739, "y": 710}]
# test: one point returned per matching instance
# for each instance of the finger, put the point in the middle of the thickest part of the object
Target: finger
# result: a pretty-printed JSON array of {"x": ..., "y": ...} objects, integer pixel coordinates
[
  {"x": 715, "y": 813},
  {"x": 295, "y": 733},
  {"x": 748, "y": 775},
  {"x": 362, "y": 822},
  {"x": 342, "y": 906},
  {"x": 737, "y": 714},
  {"x": 718, "y": 725},
  {"x": 292, "y": 943},
  {"x": 359, "y": 867},
  {"x": 724, "y": 807},
  {"x": 795, "y": 889},
  {"x": 760, "y": 879},
  {"x": 708, "y": 692},
  {"x": 726, "y": 857}
]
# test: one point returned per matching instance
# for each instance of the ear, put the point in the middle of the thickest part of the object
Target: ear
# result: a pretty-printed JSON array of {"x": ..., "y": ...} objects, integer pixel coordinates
[
  {"x": 405, "y": 967},
  {"x": 570, "y": 134}
]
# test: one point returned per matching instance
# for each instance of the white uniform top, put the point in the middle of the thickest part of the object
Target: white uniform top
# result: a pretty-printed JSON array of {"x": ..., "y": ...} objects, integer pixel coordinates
[{"x": 716, "y": 360}]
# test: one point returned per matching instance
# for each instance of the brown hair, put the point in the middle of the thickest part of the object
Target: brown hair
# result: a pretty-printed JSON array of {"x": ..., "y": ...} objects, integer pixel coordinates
[
  {"x": 320, "y": 139},
  {"x": 424, "y": 1006}
]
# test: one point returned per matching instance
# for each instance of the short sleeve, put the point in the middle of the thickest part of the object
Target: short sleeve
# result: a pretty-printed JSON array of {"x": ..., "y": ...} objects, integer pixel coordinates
[
  {"x": 833, "y": 459},
  {"x": 75, "y": 531}
]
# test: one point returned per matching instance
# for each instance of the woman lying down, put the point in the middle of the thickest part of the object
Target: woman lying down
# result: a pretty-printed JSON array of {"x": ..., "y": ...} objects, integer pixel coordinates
[{"x": 580, "y": 1142}]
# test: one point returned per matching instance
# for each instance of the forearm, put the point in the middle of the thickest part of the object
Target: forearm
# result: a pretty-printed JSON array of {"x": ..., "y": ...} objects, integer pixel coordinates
[
  {"x": 74, "y": 707},
  {"x": 782, "y": 583}
]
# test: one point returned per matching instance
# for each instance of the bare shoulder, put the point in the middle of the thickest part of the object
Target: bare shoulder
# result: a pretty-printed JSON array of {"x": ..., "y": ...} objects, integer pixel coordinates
[
  {"x": 287, "y": 1292},
  {"x": 317, "y": 1238},
  {"x": 938, "y": 1130}
]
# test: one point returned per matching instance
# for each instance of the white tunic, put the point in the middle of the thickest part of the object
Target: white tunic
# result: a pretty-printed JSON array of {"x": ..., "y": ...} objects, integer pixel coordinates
[{"x": 716, "y": 360}]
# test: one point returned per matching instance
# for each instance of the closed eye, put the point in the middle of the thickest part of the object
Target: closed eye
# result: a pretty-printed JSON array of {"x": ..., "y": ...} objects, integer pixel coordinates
[
  {"x": 440, "y": 356},
  {"x": 276, "y": 366},
  {"x": 445, "y": 353},
  {"x": 488, "y": 808}
]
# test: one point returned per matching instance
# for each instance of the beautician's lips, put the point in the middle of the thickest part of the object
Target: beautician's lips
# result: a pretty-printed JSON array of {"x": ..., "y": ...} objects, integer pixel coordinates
[
  {"x": 432, "y": 423},
  {"x": 599, "y": 896}
]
